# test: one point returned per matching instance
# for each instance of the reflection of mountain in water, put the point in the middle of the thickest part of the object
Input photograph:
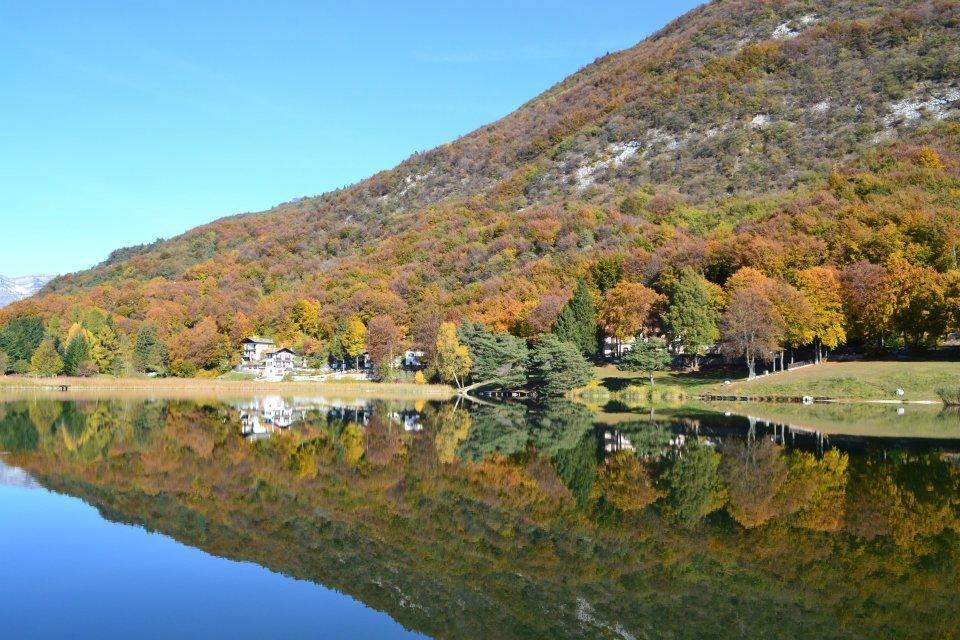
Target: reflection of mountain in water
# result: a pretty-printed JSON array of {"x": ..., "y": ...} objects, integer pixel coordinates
[
  {"x": 527, "y": 522},
  {"x": 14, "y": 477}
]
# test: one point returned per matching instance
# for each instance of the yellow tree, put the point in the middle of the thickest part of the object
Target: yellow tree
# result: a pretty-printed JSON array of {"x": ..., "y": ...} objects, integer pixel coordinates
[
  {"x": 453, "y": 360},
  {"x": 626, "y": 309},
  {"x": 951, "y": 290},
  {"x": 306, "y": 315},
  {"x": 821, "y": 287},
  {"x": 354, "y": 338},
  {"x": 919, "y": 302},
  {"x": 46, "y": 361},
  {"x": 104, "y": 348},
  {"x": 797, "y": 315},
  {"x": 747, "y": 277}
]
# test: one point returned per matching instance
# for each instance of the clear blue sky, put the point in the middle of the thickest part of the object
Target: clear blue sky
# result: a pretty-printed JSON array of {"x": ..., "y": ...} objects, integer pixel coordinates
[{"x": 130, "y": 120}]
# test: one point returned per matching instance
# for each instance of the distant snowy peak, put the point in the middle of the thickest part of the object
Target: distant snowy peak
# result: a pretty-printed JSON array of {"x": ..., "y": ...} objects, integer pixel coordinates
[{"x": 13, "y": 289}]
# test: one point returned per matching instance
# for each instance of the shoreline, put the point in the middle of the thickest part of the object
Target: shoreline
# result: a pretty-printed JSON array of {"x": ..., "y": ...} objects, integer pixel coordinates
[
  {"x": 711, "y": 397},
  {"x": 199, "y": 386}
]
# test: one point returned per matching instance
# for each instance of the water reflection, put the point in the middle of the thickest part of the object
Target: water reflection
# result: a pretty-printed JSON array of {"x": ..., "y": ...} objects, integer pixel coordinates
[{"x": 528, "y": 521}]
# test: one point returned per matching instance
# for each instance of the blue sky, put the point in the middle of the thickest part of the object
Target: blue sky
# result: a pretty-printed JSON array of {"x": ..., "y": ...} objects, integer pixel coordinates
[{"x": 130, "y": 120}]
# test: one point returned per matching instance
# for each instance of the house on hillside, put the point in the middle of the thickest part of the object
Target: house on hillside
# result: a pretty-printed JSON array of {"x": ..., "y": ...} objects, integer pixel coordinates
[
  {"x": 413, "y": 359},
  {"x": 255, "y": 348},
  {"x": 280, "y": 362}
]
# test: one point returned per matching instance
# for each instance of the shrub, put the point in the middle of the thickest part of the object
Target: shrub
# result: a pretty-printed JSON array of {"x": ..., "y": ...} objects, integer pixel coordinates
[{"x": 950, "y": 397}]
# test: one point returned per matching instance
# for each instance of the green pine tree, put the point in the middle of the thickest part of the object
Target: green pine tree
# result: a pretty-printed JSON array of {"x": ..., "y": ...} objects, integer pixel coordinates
[
  {"x": 149, "y": 352},
  {"x": 647, "y": 356},
  {"x": 557, "y": 366},
  {"x": 577, "y": 322},
  {"x": 691, "y": 319},
  {"x": 498, "y": 359},
  {"x": 21, "y": 336},
  {"x": 77, "y": 352}
]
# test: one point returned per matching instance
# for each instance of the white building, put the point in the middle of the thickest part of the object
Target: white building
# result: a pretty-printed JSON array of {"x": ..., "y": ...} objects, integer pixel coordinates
[
  {"x": 613, "y": 348},
  {"x": 280, "y": 362},
  {"x": 413, "y": 359},
  {"x": 255, "y": 348}
]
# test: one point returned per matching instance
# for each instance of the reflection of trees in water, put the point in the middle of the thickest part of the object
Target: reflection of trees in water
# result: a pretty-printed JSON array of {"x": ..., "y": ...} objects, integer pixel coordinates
[
  {"x": 907, "y": 497},
  {"x": 577, "y": 468},
  {"x": 692, "y": 483},
  {"x": 753, "y": 472},
  {"x": 510, "y": 429},
  {"x": 493, "y": 538},
  {"x": 84, "y": 431},
  {"x": 626, "y": 482}
]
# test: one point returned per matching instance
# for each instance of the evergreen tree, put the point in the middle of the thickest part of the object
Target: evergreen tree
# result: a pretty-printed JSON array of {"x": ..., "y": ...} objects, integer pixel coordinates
[
  {"x": 46, "y": 361},
  {"x": 557, "y": 366},
  {"x": 691, "y": 319},
  {"x": 150, "y": 354},
  {"x": 21, "y": 336},
  {"x": 4, "y": 363},
  {"x": 647, "y": 356},
  {"x": 577, "y": 322},
  {"x": 77, "y": 352},
  {"x": 499, "y": 359},
  {"x": 336, "y": 344}
]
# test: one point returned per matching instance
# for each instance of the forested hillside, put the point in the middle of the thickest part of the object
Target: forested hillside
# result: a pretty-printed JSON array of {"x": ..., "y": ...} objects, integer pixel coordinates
[{"x": 778, "y": 136}]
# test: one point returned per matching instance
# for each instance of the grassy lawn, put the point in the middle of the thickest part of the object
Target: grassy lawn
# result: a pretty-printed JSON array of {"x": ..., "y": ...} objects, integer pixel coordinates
[
  {"x": 864, "y": 380},
  {"x": 691, "y": 382}
]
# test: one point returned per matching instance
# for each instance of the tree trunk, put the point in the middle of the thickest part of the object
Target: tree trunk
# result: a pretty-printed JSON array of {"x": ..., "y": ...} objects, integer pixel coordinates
[
  {"x": 751, "y": 368},
  {"x": 651, "y": 379}
]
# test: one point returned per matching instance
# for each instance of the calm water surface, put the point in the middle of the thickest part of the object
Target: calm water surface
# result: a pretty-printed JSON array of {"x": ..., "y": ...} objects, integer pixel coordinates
[{"x": 317, "y": 518}]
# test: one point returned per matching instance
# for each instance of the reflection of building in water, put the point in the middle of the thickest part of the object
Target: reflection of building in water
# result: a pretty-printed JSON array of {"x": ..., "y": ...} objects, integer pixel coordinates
[
  {"x": 653, "y": 440},
  {"x": 786, "y": 434},
  {"x": 409, "y": 420},
  {"x": 262, "y": 417},
  {"x": 614, "y": 440}
]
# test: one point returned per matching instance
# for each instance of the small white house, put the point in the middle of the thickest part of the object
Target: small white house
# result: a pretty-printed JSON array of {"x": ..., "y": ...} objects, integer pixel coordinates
[
  {"x": 255, "y": 348},
  {"x": 413, "y": 359},
  {"x": 279, "y": 362},
  {"x": 613, "y": 348}
]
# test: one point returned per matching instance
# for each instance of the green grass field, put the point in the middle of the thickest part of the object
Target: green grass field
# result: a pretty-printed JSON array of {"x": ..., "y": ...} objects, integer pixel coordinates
[
  {"x": 691, "y": 382},
  {"x": 862, "y": 380}
]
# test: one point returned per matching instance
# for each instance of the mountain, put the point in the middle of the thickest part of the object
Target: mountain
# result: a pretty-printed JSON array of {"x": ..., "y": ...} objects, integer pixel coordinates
[
  {"x": 13, "y": 289},
  {"x": 776, "y": 134}
]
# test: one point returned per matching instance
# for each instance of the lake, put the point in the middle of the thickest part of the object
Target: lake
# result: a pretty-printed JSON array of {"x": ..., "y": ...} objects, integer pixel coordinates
[{"x": 278, "y": 517}]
